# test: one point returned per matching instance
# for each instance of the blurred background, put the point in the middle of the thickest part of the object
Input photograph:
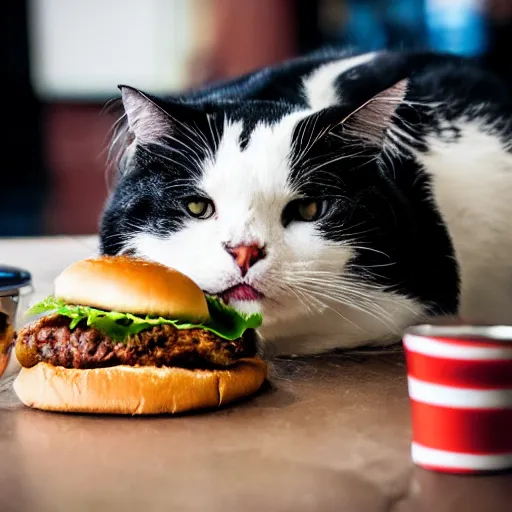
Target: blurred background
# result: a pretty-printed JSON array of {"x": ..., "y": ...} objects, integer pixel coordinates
[{"x": 62, "y": 61}]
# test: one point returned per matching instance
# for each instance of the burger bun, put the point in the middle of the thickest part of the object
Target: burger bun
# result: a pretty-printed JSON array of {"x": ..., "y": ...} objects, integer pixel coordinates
[
  {"x": 137, "y": 390},
  {"x": 132, "y": 285}
]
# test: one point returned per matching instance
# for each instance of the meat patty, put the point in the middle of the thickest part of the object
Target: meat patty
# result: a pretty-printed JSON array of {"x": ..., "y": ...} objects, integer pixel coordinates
[{"x": 49, "y": 339}]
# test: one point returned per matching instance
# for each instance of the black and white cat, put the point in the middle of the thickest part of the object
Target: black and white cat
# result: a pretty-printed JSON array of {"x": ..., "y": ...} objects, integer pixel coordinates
[{"x": 343, "y": 196}]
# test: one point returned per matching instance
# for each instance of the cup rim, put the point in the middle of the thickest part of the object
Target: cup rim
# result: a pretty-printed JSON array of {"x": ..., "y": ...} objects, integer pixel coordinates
[{"x": 466, "y": 332}]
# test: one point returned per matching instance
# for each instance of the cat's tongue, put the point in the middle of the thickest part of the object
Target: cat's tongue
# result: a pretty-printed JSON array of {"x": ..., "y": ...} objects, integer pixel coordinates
[{"x": 241, "y": 292}]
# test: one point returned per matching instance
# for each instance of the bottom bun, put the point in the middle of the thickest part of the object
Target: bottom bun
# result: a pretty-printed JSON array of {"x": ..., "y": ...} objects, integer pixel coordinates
[{"x": 136, "y": 390}]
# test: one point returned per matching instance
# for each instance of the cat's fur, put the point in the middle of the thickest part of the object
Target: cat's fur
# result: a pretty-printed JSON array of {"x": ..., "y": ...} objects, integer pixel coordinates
[{"x": 412, "y": 153}]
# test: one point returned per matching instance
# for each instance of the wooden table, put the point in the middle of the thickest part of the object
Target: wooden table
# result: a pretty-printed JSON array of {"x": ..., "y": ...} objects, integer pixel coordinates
[{"x": 328, "y": 433}]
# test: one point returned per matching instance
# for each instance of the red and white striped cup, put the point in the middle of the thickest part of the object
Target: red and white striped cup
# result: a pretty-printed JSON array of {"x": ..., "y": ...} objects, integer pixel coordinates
[{"x": 460, "y": 390}]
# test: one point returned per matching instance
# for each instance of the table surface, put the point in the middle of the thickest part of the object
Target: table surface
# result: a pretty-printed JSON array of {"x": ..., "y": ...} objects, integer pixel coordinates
[{"x": 327, "y": 433}]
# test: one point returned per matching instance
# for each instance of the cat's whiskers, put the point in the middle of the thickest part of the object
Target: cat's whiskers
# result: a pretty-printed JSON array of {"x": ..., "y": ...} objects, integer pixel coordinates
[
  {"x": 164, "y": 149},
  {"x": 387, "y": 160},
  {"x": 193, "y": 168},
  {"x": 281, "y": 288},
  {"x": 310, "y": 142},
  {"x": 369, "y": 249},
  {"x": 345, "y": 281},
  {"x": 324, "y": 155},
  {"x": 338, "y": 151},
  {"x": 198, "y": 157},
  {"x": 302, "y": 129},
  {"x": 336, "y": 285},
  {"x": 207, "y": 147},
  {"x": 347, "y": 231},
  {"x": 313, "y": 296},
  {"x": 355, "y": 285},
  {"x": 196, "y": 134},
  {"x": 302, "y": 299},
  {"x": 344, "y": 291},
  {"x": 122, "y": 237},
  {"x": 181, "y": 182},
  {"x": 125, "y": 238},
  {"x": 332, "y": 161},
  {"x": 330, "y": 279},
  {"x": 310, "y": 304},
  {"x": 316, "y": 305},
  {"x": 347, "y": 298},
  {"x": 215, "y": 136}
]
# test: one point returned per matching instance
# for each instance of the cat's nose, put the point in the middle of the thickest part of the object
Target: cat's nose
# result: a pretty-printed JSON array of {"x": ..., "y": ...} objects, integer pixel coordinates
[{"x": 246, "y": 256}]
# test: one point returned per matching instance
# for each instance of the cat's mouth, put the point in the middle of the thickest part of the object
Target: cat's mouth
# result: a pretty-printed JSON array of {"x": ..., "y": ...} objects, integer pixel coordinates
[{"x": 240, "y": 293}]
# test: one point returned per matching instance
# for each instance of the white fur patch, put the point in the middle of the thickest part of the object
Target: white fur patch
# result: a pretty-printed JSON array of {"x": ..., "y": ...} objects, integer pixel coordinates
[
  {"x": 319, "y": 87},
  {"x": 472, "y": 187}
]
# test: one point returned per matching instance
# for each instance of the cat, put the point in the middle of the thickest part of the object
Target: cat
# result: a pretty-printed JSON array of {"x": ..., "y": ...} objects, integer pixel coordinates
[{"x": 343, "y": 196}]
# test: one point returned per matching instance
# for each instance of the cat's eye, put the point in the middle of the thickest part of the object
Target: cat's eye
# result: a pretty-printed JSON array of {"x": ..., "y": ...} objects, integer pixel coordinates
[
  {"x": 304, "y": 210},
  {"x": 200, "y": 208},
  {"x": 308, "y": 211}
]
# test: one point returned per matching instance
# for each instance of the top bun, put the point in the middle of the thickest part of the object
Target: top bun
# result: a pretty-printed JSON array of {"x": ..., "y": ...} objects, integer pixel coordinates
[{"x": 132, "y": 285}]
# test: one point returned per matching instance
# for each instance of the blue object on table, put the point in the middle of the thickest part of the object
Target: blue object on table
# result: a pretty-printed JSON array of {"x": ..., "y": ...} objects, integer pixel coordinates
[{"x": 13, "y": 278}]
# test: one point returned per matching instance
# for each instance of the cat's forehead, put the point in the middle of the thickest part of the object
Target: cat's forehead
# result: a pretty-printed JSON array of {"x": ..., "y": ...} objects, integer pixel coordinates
[{"x": 257, "y": 166}]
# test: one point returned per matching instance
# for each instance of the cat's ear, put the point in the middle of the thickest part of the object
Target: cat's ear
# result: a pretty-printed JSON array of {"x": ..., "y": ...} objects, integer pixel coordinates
[
  {"x": 147, "y": 121},
  {"x": 371, "y": 120}
]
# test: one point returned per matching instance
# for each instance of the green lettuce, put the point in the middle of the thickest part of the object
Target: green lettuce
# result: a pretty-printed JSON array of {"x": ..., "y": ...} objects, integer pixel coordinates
[{"x": 224, "y": 321}]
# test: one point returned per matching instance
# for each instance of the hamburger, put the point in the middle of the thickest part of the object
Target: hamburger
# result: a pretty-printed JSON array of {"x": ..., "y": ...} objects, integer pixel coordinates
[{"x": 122, "y": 335}]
